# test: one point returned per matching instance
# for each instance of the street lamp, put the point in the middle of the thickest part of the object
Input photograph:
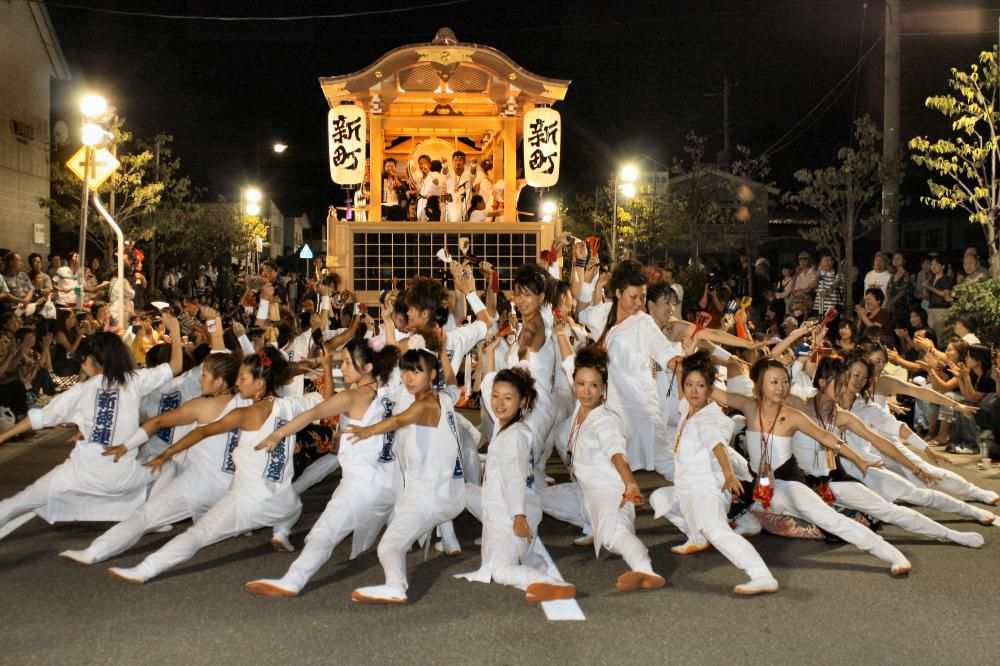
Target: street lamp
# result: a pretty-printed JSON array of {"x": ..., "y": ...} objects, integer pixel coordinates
[
  {"x": 548, "y": 210},
  {"x": 93, "y": 107},
  {"x": 280, "y": 147},
  {"x": 624, "y": 179}
]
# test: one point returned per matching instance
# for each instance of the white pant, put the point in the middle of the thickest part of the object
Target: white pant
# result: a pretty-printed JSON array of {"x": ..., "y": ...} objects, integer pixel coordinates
[
  {"x": 623, "y": 540},
  {"x": 701, "y": 517},
  {"x": 173, "y": 503},
  {"x": 854, "y": 495},
  {"x": 232, "y": 515},
  {"x": 511, "y": 560},
  {"x": 894, "y": 487},
  {"x": 25, "y": 502},
  {"x": 950, "y": 481},
  {"x": 414, "y": 516},
  {"x": 796, "y": 499},
  {"x": 564, "y": 501},
  {"x": 343, "y": 514},
  {"x": 320, "y": 468}
]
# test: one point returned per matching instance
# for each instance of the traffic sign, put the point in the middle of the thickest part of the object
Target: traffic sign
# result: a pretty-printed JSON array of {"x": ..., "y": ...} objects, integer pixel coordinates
[
  {"x": 103, "y": 165},
  {"x": 306, "y": 252}
]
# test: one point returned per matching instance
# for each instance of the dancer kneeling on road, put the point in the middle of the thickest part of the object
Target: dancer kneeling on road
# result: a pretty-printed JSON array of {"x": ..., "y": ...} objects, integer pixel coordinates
[
  {"x": 595, "y": 453},
  {"x": 262, "y": 494},
  {"x": 433, "y": 479},
  {"x": 704, "y": 481},
  {"x": 105, "y": 408},
  {"x": 511, "y": 507},
  {"x": 371, "y": 475}
]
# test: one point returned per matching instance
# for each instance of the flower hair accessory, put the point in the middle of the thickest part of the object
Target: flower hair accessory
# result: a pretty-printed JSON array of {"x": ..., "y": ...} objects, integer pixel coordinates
[
  {"x": 265, "y": 360},
  {"x": 417, "y": 342},
  {"x": 376, "y": 344}
]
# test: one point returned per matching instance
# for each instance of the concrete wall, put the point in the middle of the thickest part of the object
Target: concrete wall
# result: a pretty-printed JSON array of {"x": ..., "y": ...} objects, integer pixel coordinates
[{"x": 26, "y": 69}]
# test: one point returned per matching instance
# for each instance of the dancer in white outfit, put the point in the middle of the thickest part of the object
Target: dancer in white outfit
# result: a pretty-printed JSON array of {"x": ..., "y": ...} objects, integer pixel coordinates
[
  {"x": 261, "y": 494},
  {"x": 778, "y": 488},
  {"x": 636, "y": 347},
  {"x": 189, "y": 488},
  {"x": 105, "y": 408},
  {"x": 704, "y": 480},
  {"x": 595, "y": 452},
  {"x": 433, "y": 483},
  {"x": 890, "y": 485},
  {"x": 511, "y": 508},
  {"x": 371, "y": 474},
  {"x": 872, "y": 407},
  {"x": 830, "y": 481}
]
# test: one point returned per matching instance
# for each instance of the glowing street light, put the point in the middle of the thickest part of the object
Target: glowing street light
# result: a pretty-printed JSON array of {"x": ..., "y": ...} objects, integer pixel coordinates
[
  {"x": 280, "y": 147},
  {"x": 624, "y": 180},
  {"x": 93, "y": 134},
  {"x": 628, "y": 189},
  {"x": 253, "y": 195},
  {"x": 548, "y": 210},
  {"x": 93, "y": 106},
  {"x": 253, "y": 209},
  {"x": 629, "y": 174}
]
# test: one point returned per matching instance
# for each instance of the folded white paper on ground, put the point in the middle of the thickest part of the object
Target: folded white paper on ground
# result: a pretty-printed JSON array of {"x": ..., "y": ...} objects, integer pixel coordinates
[{"x": 562, "y": 610}]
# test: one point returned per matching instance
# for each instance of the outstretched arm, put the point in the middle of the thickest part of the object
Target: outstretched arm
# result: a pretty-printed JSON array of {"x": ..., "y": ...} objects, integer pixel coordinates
[
  {"x": 329, "y": 408},
  {"x": 230, "y": 421},
  {"x": 849, "y": 421},
  {"x": 189, "y": 412},
  {"x": 417, "y": 413},
  {"x": 887, "y": 385}
]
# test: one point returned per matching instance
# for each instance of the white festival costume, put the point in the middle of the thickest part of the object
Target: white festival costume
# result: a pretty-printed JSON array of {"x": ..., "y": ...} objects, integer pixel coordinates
[
  {"x": 812, "y": 459},
  {"x": 634, "y": 346},
  {"x": 433, "y": 492},
  {"x": 696, "y": 504},
  {"x": 261, "y": 494},
  {"x": 193, "y": 487},
  {"x": 876, "y": 416},
  {"x": 362, "y": 501},
  {"x": 794, "y": 498},
  {"x": 170, "y": 396},
  {"x": 509, "y": 490},
  {"x": 89, "y": 485}
]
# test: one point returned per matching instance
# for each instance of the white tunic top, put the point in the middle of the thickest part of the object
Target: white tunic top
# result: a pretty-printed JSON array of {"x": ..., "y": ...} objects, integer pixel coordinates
[
  {"x": 696, "y": 468},
  {"x": 89, "y": 485},
  {"x": 170, "y": 396}
]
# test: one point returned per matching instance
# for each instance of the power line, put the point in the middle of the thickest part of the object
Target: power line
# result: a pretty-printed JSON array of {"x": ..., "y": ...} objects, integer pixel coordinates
[
  {"x": 773, "y": 147},
  {"x": 235, "y": 19}
]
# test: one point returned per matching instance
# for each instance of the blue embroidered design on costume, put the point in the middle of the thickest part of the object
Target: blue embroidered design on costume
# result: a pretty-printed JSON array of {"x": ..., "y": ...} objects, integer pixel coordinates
[
  {"x": 386, "y": 455},
  {"x": 105, "y": 415},
  {"x": 531, "y": 467},
  {"x": 168, "y": 402},
  {"x": 228, "y": 466},
  {"x": 450, "y": 417},
  {"x": 276, "y": 459}
]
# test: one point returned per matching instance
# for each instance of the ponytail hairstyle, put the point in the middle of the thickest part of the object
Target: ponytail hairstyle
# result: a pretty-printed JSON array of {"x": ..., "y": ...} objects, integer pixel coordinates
[
  {"x": 538, "y": 281},
  {"x": 269, "y": 365},
  {"x": 116, "y": 360},
  {"x": 834, "y": 369},
  {"x": 593, "y": 357},
  {"x": 223, "y": 366},
  {"x": 626, "y": 274},
  {"x": 860, "y": 356},
  {"x": 524, "y": 384},
  {"x": 700, "y": 362},
  {"x": 760, "y": 368},
  {"x": 423, "y": 360},
  {"x": 383, "y": 358}
]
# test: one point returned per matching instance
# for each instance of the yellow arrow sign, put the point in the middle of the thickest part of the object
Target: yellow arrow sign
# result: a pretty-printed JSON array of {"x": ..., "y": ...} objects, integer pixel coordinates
[{"x": 103, "y": 164}]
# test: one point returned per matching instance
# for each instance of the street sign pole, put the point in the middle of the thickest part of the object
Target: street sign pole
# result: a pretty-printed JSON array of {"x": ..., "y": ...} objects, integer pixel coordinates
[
  {"x": 84, "y": 207},
  {"x": 305, "y": 254}
]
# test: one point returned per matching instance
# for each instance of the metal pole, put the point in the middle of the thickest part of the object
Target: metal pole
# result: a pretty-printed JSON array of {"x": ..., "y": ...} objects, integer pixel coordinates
[
  {"x": 614, "y": 221},
  {"x": 890, "y": 129},
  {"x": 120, "y": 283},
  {"x": 88, "y": 160}
]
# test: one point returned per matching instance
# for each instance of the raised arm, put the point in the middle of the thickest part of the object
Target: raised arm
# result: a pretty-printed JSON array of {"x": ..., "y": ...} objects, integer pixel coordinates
[
  {"x": 176, "y": 349},
  {"x": 337, "y": 404}
]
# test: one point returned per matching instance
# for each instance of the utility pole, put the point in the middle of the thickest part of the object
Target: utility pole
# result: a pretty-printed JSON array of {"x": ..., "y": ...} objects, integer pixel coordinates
[
  {"x": 890, "y": 131},
  {"x": 724, "y": 155}
]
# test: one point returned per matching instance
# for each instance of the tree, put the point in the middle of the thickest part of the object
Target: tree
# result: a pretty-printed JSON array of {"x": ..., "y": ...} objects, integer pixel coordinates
[
  {"x": 845, "y": 196},
  {"x": 968, "y": 161},
  {"x": 133, "y": 189}
]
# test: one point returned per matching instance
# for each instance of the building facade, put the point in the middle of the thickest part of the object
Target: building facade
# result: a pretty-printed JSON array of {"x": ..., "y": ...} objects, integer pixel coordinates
[{"x": 30, "y": 57}]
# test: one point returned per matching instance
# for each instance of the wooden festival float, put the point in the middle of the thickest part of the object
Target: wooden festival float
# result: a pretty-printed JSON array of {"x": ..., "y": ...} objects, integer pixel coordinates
[{"x": 433, "y": 99}]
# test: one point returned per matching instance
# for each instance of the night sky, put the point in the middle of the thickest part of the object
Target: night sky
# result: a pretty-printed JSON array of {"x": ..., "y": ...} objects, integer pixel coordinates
[{"x": 642, "y": 75}]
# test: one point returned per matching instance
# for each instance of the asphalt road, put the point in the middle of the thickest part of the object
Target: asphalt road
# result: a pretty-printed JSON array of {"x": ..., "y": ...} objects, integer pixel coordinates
[{"x": 836, "y": 603}]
